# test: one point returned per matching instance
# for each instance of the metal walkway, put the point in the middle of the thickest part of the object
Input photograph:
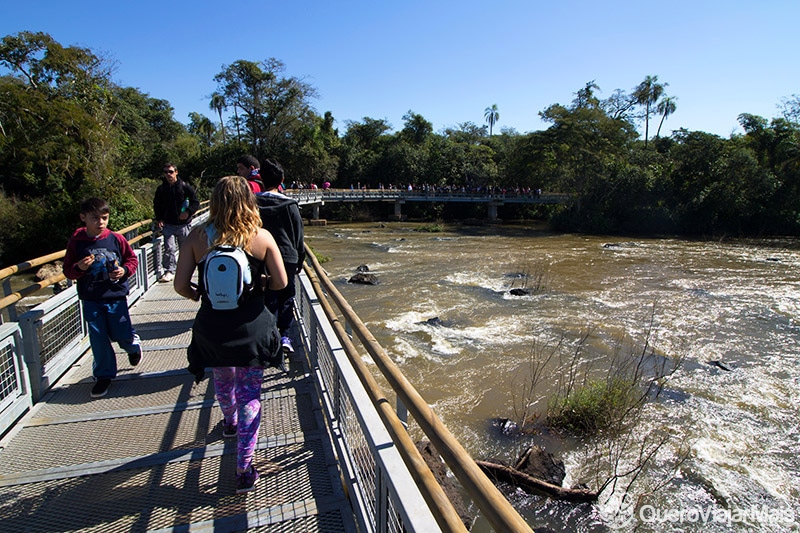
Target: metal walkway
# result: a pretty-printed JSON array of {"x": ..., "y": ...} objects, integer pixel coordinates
[{"x": 150, "y": 455}]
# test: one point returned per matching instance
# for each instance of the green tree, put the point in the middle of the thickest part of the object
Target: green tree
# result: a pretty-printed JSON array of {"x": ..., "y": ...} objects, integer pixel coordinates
[
  {"x": 585, "y": 97},
  {"x": 202, "y": 126},
  {"x": 68, "y": 132},
  {"x": 362, "y": 151},
  {"x": 648, "y": 94},
  {"x": 217, "y": 103},
  {"x": 466, "y": 132},
  {"x": 313, "y": 158},
  {"x": 492, "y": 115},
  {"x": 416, "y": 129},
  {"x": 665, "y": 108},
  {"x": 272, "y": 106}
]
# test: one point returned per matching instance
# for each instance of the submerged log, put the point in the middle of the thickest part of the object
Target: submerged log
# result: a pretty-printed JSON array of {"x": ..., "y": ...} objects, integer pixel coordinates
[{"x": 529, "y": 483}]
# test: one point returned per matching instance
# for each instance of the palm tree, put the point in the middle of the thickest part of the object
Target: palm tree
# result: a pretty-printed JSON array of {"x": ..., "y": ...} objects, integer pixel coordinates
[
  {"x": 492, "y": 115},
  {"x": 217, "y": 104},
  {"x": 647, "y": 94},
  {"x": 665, "y": 108}
]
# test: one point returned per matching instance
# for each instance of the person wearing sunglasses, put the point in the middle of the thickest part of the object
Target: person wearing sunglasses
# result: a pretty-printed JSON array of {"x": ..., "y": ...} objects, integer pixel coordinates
[{"x": 174, "y": 204}]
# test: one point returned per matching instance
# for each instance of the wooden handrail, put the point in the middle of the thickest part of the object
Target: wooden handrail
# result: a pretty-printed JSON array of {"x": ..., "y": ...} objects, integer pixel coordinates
[
  {"x": 14, "y": 297},
  {"x": 495, "y": 507},
  {"x": 43, "y": 260},
  {"x": 27, "y": 265}
]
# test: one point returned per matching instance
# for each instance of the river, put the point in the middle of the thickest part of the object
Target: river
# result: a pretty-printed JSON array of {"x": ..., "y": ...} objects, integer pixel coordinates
[{"x": 733, "y": 302}]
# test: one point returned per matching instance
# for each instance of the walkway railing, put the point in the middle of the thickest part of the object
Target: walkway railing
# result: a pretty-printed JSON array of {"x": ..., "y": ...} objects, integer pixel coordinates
[{"x": 390, "y": 486}]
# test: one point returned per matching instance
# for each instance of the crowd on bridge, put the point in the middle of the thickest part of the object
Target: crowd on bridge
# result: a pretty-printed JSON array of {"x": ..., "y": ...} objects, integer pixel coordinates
[{"x": 476, "y": 190}]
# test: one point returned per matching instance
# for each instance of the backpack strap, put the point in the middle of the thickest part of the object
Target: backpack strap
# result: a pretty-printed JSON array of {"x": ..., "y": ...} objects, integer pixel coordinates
[{"x": 211, "y": 233}]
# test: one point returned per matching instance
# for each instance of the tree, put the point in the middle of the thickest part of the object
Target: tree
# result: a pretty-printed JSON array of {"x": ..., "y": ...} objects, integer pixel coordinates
[
  {"x": 492, "y": 115},
  {"x": 68, "y": 132},
  {"x": 585, "y": 97},
  {"x": 362, "y": 150},
  {"x": 790, "y": 108},
  {"x": 618, "y": 106},
  {"x": 272, "y": 106},
  {"x": 665, "y": 108},
  {"x": 217, "y": 103},
  {"x": 201, "y": 126},
  {"x": 466, "y": 132},
  {"x": 416, "y": 129},
  {"x": 647, "y": 94}
]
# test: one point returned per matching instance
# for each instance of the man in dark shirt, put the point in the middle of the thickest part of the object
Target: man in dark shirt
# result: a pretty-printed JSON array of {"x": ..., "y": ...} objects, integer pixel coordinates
[{"x": 174, "y": 204}]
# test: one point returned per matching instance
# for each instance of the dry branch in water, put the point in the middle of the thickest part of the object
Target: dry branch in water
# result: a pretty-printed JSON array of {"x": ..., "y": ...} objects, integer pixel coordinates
[{"x": 529, "y": 483}]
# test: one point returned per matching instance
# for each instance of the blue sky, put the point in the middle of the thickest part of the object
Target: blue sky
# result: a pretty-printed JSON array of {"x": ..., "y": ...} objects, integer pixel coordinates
[{"x": 446, "y": 60}]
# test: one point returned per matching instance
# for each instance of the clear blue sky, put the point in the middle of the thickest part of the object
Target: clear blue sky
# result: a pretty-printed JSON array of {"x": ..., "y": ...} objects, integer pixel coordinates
[{"x": 446, "y": 60}]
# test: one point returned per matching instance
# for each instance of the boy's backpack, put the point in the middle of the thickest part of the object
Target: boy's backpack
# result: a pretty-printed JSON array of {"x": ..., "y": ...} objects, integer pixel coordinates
[{"x": 227, "y": 279}]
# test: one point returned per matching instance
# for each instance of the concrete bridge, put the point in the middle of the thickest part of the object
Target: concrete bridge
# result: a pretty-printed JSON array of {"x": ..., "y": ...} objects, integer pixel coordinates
[{"x": 314, "y": 198}]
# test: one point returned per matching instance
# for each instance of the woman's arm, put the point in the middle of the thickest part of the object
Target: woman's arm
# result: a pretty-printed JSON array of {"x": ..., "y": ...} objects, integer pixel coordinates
[{"x": 187, "y": 262}]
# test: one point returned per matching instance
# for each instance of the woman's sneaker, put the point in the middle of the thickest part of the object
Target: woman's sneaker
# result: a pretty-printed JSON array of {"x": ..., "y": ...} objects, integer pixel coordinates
[
  {"x": 286, "y": 344},
  {"x": 246, "y": 481},
  {"x": 229, "y": 430}
]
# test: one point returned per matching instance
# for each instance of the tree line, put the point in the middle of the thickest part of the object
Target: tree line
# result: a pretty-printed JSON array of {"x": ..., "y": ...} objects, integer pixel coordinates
[{"x": 68, "y": 131}]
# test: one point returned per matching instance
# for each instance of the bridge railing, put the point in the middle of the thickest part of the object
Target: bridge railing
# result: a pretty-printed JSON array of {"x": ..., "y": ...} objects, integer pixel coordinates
[
  {"x": 384, "y": 494},
  {"x": 311, "y": 196}
]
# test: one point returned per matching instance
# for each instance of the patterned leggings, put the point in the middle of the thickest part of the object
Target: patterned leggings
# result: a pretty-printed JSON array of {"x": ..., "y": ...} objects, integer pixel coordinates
[{"x": 238, "y": 391}]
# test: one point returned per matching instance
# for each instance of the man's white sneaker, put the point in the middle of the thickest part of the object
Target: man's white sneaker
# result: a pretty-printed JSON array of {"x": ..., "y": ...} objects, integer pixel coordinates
[{"x": 167, "y": 277}]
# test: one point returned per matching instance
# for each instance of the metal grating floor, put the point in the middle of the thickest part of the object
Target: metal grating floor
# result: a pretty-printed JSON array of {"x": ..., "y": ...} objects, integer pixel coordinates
[{"x": 150, "y": 456}]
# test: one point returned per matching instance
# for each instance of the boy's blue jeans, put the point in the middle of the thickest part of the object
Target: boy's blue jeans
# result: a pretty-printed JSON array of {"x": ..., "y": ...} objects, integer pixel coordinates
[{"x": 108, "y": 321}]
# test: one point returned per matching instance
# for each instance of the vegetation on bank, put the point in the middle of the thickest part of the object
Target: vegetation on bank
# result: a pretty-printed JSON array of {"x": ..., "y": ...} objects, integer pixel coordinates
[{"x": 67, "y": 131}]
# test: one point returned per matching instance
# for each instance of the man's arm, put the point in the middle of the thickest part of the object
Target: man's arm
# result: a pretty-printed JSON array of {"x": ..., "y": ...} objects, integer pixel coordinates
[{"x": 297, "y": 222}]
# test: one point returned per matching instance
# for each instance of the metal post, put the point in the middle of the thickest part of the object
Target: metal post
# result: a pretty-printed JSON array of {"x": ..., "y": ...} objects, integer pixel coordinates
[
  {"x": 402, "y": 412},
  {"x": 12, "y": 309}
]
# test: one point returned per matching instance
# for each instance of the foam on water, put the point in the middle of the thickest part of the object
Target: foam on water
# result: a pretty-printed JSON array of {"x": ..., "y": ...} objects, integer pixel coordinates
[{"x": 453, "y": 338}]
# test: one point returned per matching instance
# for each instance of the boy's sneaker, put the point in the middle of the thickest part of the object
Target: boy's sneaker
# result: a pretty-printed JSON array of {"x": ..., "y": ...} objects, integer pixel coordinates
[
  {"x": 246, "y": 481},
  {"x": 286, "y": 343},
  {"x": 134, "y": 358},
  {"x": 229, "y": 430},
  {"x": 101, "y": 387},
  {"x": 167, "y": 277}
]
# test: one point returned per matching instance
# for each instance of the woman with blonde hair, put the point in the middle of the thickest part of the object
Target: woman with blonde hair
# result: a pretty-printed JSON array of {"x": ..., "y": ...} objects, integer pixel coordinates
[{"x": 237, "y": 343}]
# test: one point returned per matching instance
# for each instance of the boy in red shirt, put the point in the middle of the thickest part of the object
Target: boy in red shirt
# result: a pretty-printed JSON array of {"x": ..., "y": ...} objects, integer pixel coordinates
[{"x": 102, "y": 261}]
